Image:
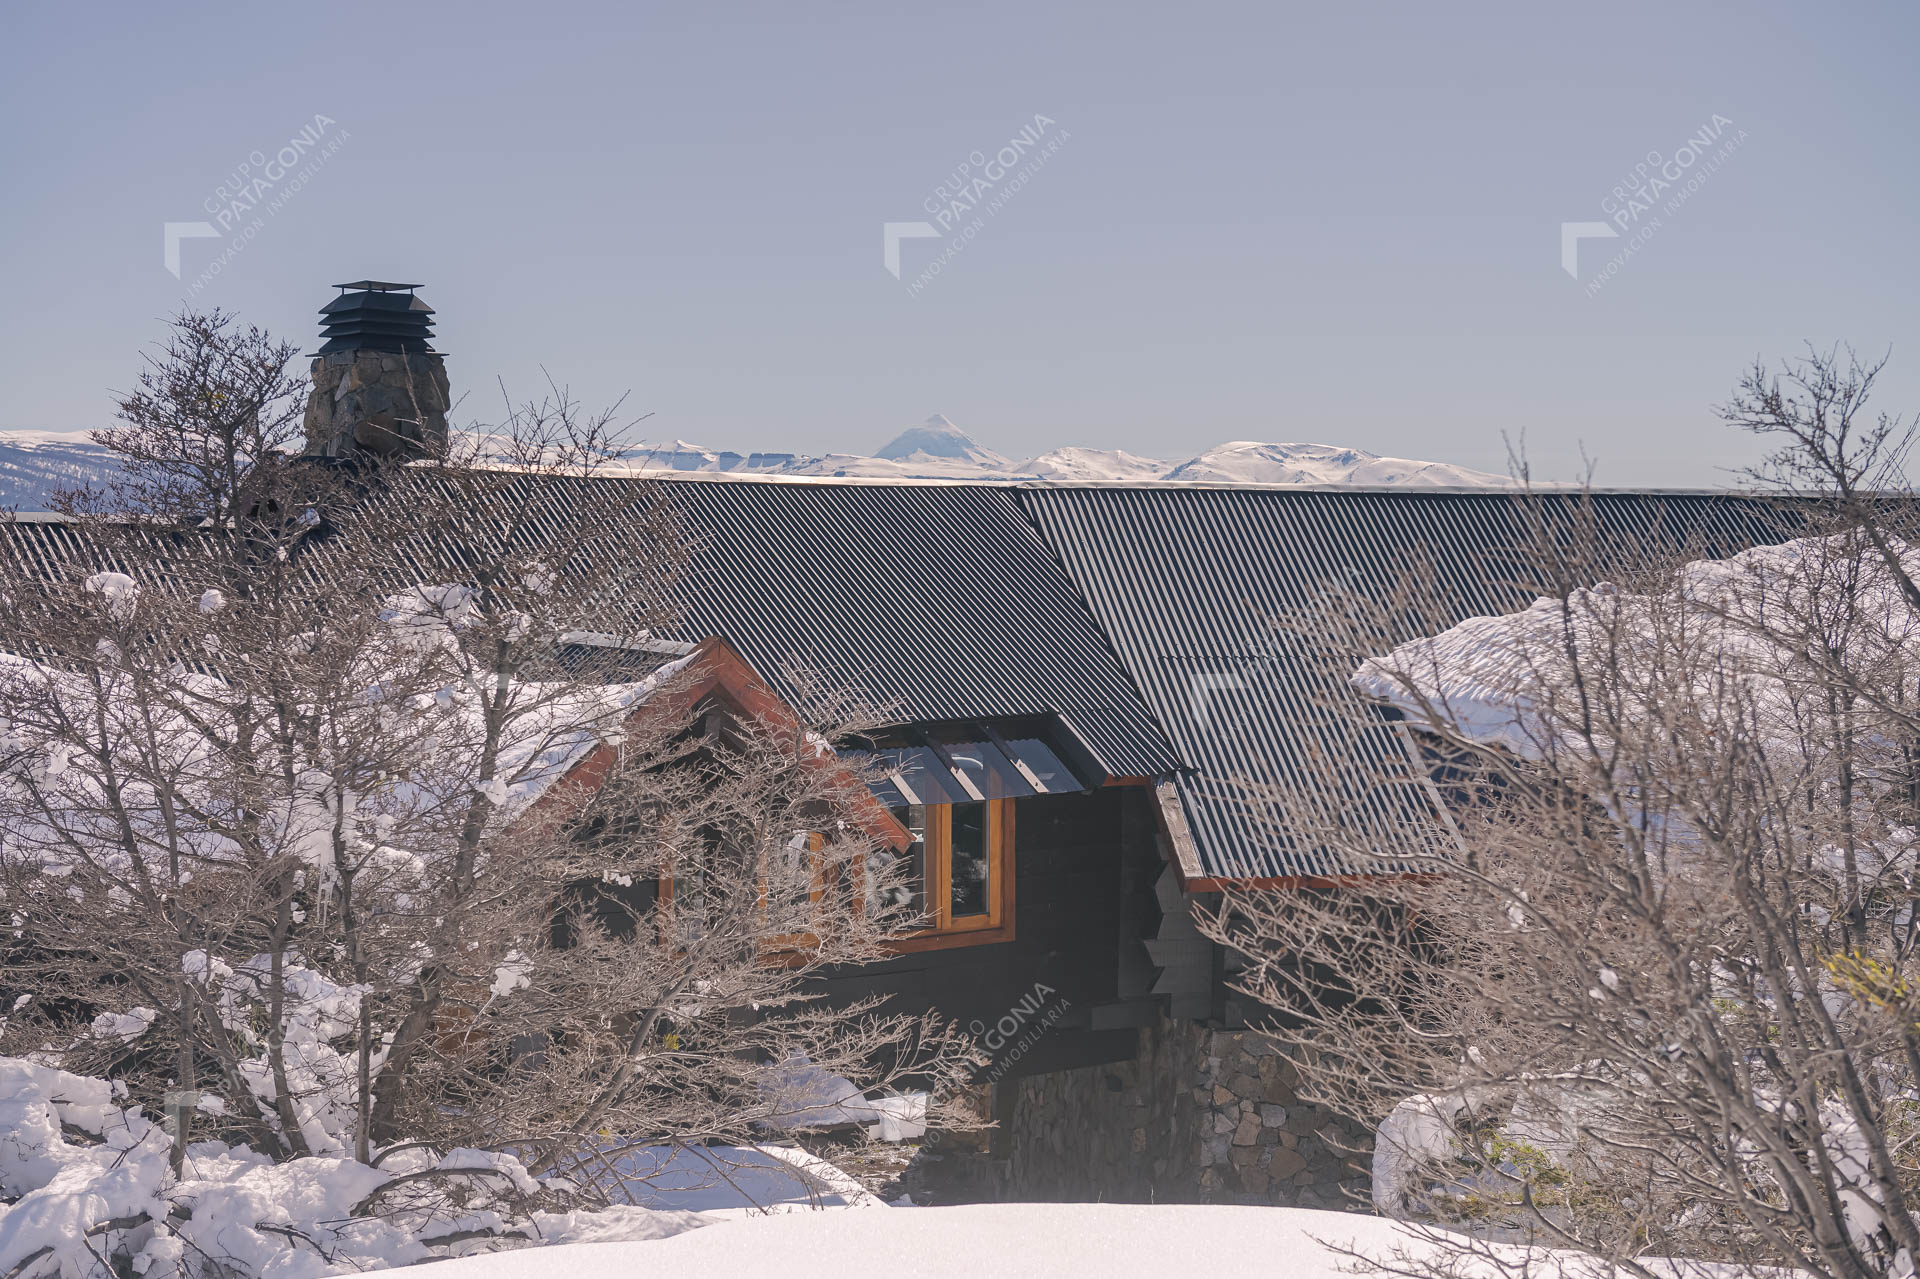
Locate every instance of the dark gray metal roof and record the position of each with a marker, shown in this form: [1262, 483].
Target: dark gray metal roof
[940, 603]
[1142, 617]
[51, 546]
[939, 600]
[1188, 585]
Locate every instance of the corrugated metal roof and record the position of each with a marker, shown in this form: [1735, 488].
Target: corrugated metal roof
[1188, 585]
[939, 600]
[50, 546]
[1141, 616]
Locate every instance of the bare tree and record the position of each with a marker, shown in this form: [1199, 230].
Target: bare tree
[1634, 972]
[212, 410]
[369, 807]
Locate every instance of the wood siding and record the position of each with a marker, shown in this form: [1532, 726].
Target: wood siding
[1078, 865]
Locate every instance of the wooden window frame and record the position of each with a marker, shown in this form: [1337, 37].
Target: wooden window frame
[946, 933]
[816, 893]
[970, 930]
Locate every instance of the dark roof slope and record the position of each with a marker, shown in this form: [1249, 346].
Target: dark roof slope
[938, 599]
[940, 602]
[1141, 616]
[1188, 584]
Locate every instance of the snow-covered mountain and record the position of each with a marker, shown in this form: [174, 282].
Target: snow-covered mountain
[939, 450]
[33, 464]
[36, 464]
[937, 439]
[1249, 462]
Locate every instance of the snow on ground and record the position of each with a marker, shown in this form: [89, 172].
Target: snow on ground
[736, 1181]
[89, 1178]
[986, 1241]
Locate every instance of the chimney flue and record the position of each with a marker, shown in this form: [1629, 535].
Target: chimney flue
[378, 386]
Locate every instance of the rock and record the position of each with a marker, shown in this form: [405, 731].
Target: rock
[1222, 1096]
[1248, 1132]
[1277, 1090]
[1272, 1116]
[1286, 1163]
[1224, 1123]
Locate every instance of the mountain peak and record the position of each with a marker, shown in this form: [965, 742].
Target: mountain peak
[938, 437]
[1252, 462]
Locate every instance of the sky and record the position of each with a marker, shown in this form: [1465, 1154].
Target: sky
[1153, 227]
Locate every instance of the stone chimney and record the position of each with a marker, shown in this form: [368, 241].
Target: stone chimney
[378, 388]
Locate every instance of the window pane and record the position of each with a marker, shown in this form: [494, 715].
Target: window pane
[972, 894]
[905, 887]
[992, 774]
[1052, 775]
[918, 774]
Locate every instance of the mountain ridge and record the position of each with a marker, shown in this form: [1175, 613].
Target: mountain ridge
[36, 464]
[938, 450]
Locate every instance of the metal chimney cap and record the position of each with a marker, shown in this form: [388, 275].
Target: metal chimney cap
[377, 286]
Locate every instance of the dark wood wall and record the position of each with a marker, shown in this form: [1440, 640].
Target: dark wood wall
[1072, 855]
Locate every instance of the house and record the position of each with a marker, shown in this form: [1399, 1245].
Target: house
[1087, 687]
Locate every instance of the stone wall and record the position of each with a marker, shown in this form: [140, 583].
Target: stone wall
[1199, 1116]
[380, 402]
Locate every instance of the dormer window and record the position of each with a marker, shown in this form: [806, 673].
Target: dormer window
[954, 788]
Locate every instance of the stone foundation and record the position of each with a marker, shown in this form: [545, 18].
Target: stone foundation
[1199, 1116]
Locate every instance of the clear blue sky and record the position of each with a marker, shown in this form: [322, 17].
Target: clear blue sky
[1327, 222]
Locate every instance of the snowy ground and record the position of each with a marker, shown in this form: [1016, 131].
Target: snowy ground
[737, 1181]
[1112, 1241]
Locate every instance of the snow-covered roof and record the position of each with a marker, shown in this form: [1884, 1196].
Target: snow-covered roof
[541, 748]
[1739, 619]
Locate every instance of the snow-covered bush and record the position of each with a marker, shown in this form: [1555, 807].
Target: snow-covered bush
[90, 1192]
